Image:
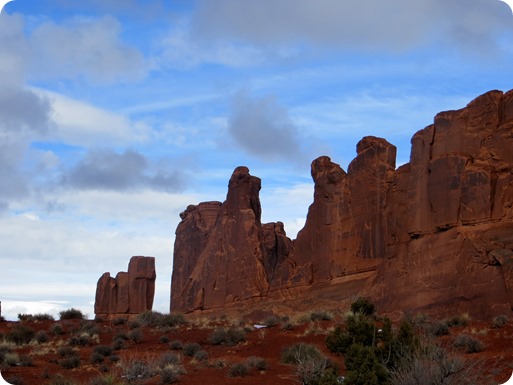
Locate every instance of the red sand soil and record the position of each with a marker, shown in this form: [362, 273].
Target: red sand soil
[266, 343]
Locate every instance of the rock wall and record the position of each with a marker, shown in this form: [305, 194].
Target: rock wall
[435, 233]
[129, 293]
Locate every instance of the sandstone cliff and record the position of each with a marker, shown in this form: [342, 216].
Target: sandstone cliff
[129, 293]
[437, 231]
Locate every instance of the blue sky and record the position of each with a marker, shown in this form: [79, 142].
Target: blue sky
[117, 114]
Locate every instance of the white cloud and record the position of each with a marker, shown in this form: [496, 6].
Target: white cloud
[368, 25]
[81, 47]
[82, 124]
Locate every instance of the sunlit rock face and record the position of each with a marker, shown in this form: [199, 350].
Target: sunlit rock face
[130, 293]
[434, 235]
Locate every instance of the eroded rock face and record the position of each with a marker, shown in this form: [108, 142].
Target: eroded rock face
[223, 254]
[130, 292]
[434, 234]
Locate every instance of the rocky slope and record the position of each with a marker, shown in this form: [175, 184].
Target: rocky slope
[433, 233]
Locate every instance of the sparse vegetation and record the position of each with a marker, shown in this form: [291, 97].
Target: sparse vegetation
[227, 336]
[470, 344]
[71, 314]
[238, 370]
[20, 334]
[500, 321]
[190, 349]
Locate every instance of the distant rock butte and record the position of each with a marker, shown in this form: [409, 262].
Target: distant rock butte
[434, 235]
[129, 293]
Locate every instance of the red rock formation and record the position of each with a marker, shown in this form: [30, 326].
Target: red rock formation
[222, 252]
[130, 292]
[435, 233]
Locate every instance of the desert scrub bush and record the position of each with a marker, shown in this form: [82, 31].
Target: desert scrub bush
[41, 337]
[311, 365]
[79, 340]
[89, 327]
[297, 353]
[471, 344]
[36, 317]
[96, 358]
[104, 350]
[190, 349]
[363, 367]
[227, 336]
[59, 379]
[320, 315]
[164, 339]
[359, 329]
[66, 351]
[168, 359]
[70, 362]
[136, 370]
[201, 356]
[135, 335]
[459, 320]
[20, 335]
[500, 321]
[14, 380]
[238, 370]
[432, 364]
[170, 374]
[286, 325]
[176, 345]
[57, 330]
[271, 321]
[11, 359]
[438, 329]
[71, 314]
[363, 306]
[108, 379]
[118, 343]
[119, 321]
[257, 363]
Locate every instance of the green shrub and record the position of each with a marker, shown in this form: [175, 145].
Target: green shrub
[171, 374]
[71, 314]
[458, 321]
[359, 329]
[363, 367]
[11, 359]
[363, 306]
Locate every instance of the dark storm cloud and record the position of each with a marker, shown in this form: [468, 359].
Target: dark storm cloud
[262, 127]
[130, 170]
[361, 24]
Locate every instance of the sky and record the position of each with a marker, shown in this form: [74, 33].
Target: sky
[115, 115]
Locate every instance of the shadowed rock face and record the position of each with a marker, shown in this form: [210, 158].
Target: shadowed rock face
[433, 235]
[130, 292]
